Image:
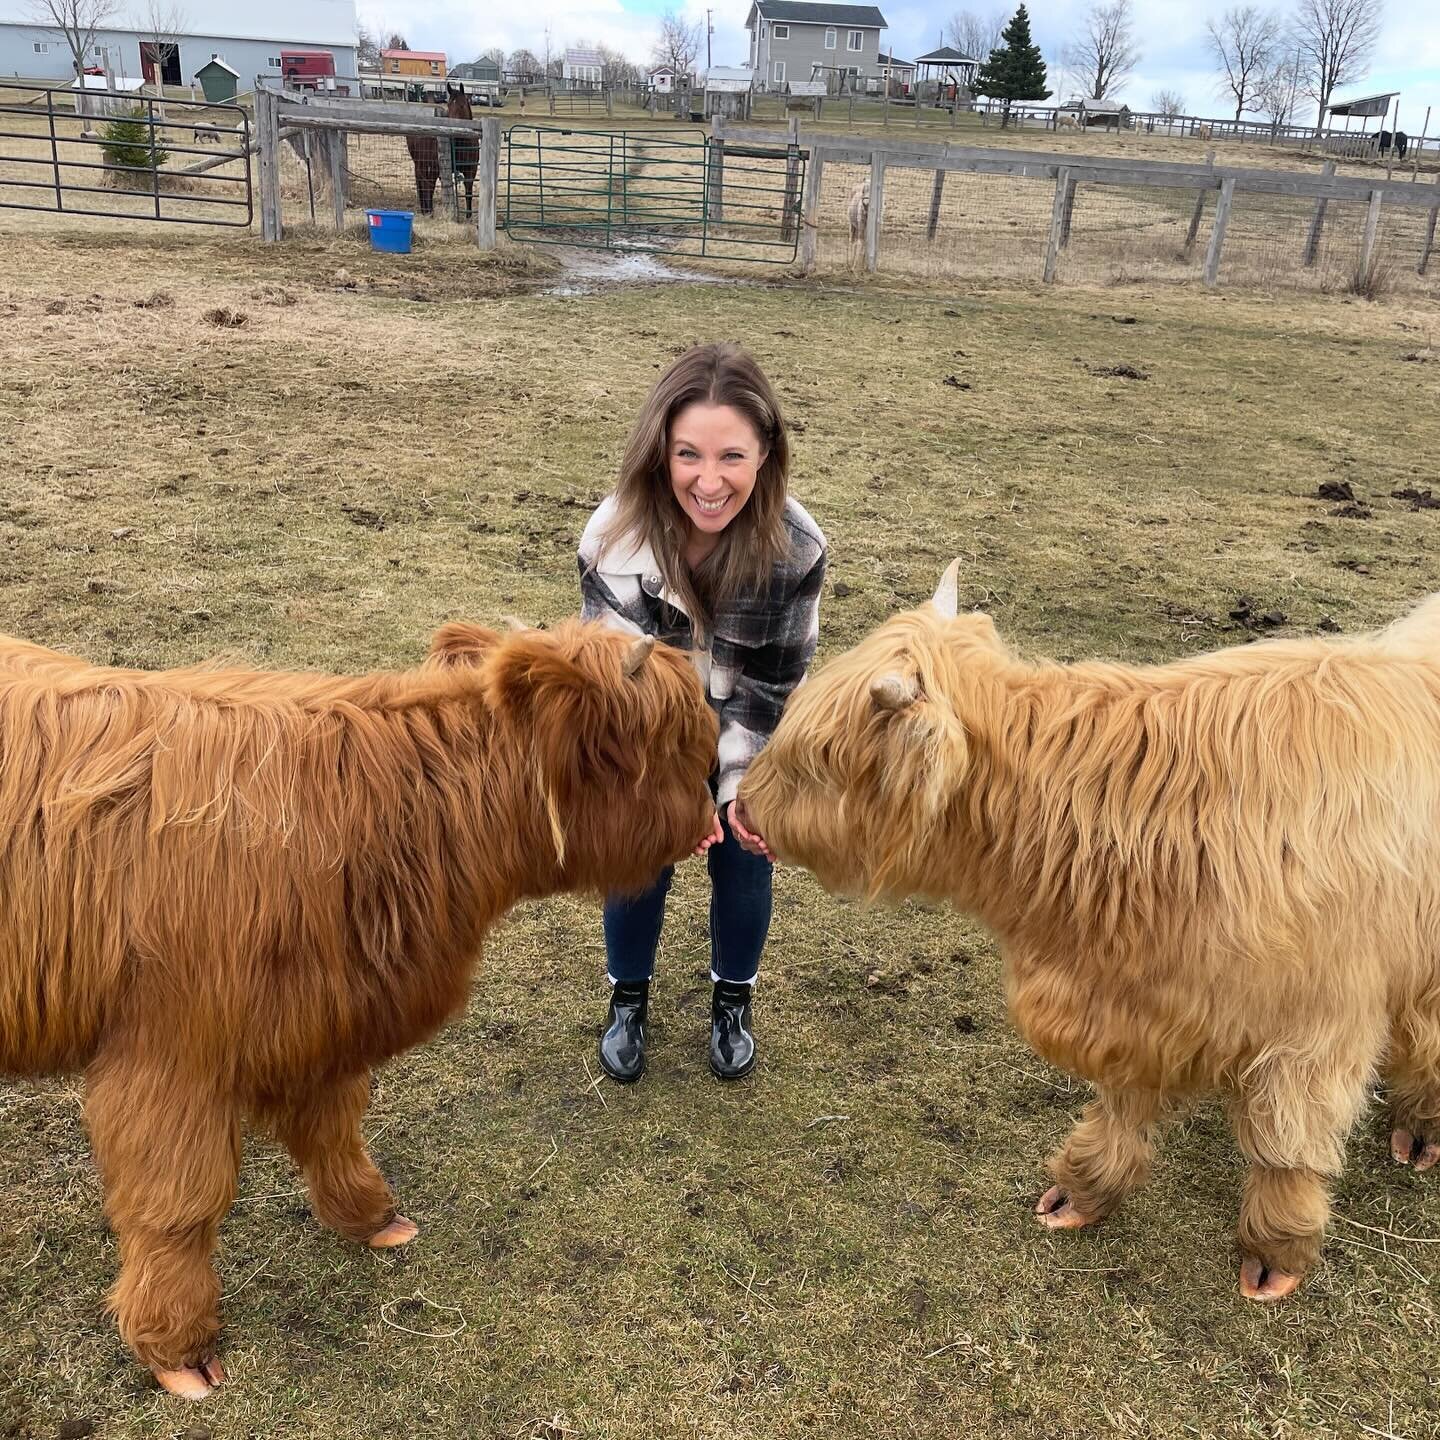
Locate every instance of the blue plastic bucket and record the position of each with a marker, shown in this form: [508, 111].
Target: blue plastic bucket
[390, 230]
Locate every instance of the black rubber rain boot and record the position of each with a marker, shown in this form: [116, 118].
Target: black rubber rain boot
[622, 1046]
[732, 1046]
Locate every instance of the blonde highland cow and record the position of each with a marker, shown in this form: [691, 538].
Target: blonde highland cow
[1221, 874]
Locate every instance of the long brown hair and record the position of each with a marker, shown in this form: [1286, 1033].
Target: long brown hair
[645, 505]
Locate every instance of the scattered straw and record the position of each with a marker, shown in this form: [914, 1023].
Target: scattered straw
[424, 1299]
[554, 1151]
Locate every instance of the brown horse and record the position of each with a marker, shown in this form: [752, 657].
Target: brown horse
[465, 156]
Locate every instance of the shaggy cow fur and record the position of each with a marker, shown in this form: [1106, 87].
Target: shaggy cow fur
[1221, 874]
[230, 893]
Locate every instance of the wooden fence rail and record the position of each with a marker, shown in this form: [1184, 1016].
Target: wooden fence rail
[881, 153]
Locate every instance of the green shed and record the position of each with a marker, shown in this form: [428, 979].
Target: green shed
[218, 81]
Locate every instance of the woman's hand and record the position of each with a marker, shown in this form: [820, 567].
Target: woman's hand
[715, 836]
[740, 828]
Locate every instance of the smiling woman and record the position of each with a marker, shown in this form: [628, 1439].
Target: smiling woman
[700, 546]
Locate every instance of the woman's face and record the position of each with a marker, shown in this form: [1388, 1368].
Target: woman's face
[715, 456]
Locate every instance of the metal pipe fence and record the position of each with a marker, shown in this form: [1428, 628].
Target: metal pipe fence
[53, 158]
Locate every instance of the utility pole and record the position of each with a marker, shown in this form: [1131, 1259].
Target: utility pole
[709, 31]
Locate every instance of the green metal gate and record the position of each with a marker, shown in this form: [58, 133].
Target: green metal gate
[643, 190]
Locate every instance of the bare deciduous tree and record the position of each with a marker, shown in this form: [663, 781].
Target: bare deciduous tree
[616, 68]
[164, 25]
[496, 56]
[1105, 54]
[1243, 41]
[1277, 94]
[77, 20]
[367, 48]
[678, 44]
[526, 66]
[1168, 103]
[397, 41]
[974, 35]
[1335, 40]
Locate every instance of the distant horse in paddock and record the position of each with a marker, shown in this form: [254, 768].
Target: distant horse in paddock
[465, 152]
[465, 156]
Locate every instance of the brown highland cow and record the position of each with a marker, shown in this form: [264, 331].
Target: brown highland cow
[230, 893]
[1221, 874]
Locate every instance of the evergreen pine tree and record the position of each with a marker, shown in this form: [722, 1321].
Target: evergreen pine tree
[129, 141]
[1014, 70]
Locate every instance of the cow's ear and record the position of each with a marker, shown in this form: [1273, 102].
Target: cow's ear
[459, 642]
[538, 694]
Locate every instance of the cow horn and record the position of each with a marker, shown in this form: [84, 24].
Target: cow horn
[893, 692]
[638, 654]
[947, 594]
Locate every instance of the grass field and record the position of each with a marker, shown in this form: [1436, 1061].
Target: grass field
[352, 448]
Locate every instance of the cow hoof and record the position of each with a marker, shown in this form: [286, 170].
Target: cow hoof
[399, 1231]
[1259, 1282]
[193, 1382]
[1055, 1212]
[1411, 1149]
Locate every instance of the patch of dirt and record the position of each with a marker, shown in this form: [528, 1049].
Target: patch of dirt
[956, 383]
[1358, 511]
[1334, 490]
[225, 318]
[156, 300]
[1251, 618]
[1120, 372]
[359, 515]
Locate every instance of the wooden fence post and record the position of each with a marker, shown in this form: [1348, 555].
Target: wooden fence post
[936, 191]
[792, 179]
[1057, 222]
[1372, 230]
[445, 158]
[1217, 230]
[267, 132]
[1069, 213]
[810, 210]
[1430, 232]
[1317, 221]
[338, 146]
[1198, 213]
[877, 204]
[487, 184]
[717, 171]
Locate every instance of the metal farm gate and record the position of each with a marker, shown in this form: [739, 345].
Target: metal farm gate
[638, 190]
[99, 152]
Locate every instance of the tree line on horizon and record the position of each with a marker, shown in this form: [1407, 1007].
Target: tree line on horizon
[1267, 61]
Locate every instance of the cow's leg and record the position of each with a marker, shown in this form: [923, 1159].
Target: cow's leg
[168, 1148]
[322, 1131]
[1106, 1156]
[1414, 1067]
[1291, 1122]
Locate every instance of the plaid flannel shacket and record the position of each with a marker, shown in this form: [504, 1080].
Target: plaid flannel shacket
[761, 643]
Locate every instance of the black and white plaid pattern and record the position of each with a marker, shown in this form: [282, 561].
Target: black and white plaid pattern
[761, 643]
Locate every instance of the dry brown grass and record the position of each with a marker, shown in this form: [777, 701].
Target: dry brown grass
[840, 1245]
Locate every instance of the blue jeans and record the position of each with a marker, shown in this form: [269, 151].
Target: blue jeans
[739, 917]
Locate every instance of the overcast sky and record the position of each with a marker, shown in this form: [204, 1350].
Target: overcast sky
[1171, 35]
